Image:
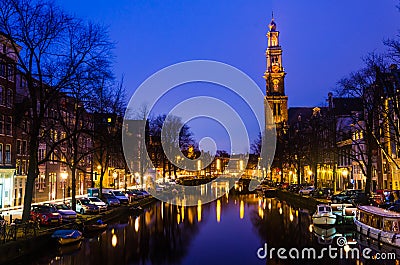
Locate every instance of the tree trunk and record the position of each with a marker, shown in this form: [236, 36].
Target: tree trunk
[33, 171]
[174, 171]
[73, 179]
[101, 182]
[299, 180]
[315, 172]
[164, 169]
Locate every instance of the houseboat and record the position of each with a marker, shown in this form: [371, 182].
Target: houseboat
[379, 224]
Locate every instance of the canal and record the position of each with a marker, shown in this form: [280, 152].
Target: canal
[229, 230]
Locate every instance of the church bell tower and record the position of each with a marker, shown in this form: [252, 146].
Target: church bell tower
[275, 77]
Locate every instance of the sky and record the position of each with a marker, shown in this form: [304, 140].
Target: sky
[322, 41]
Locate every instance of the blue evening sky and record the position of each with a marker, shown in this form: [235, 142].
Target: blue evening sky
[322, 41]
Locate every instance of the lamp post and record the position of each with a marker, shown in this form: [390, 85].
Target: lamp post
[64, 176]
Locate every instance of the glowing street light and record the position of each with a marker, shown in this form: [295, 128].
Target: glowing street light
[115, 175]
[64, 176]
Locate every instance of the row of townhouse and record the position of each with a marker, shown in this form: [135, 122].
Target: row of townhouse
[54, 176]
[328, 145]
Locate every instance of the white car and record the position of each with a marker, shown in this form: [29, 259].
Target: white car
[99, 203]
[84, 206]
[306, 191]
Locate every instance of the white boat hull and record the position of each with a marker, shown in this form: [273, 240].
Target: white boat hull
[323, 219]
[389, 238]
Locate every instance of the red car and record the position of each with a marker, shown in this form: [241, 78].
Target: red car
[46, 215]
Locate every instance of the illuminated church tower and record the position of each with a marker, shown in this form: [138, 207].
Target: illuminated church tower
[275, 77]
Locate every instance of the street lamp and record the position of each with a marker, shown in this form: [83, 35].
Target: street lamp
[345, 173]
[115, 175]
[64, 176]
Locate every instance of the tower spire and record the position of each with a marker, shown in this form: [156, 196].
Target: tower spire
[275, 76]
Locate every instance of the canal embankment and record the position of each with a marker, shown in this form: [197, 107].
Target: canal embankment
[306, 202]
[25, 245]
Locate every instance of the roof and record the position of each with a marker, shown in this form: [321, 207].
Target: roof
[379, 211]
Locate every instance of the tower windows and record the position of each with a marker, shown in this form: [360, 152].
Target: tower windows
[277, 109]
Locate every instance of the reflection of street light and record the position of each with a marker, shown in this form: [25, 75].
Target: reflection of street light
[64, 176]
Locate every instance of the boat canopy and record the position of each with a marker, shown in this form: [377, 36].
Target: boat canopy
[379, 211]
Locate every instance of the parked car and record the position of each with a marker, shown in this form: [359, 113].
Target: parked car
[306, 190]
[345, 196]
[120, 196]
[145, 193]
[295, 188]
[395, 207]
[131, 195]
[99, 203]
[67, 214]
[322, 193]
[359, 199]
[84, 206]
[45, 214]
[110, 199]
[139, 194]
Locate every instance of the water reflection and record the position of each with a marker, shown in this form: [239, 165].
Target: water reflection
[171, 234]
[218, 211]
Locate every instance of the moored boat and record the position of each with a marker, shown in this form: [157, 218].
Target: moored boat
[270, 192]
[379, 224]
[344, 212]
[95, 227]
[324, 215]
[65, 237]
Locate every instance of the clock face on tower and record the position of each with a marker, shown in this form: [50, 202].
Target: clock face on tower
[275, 68]
[276, 84]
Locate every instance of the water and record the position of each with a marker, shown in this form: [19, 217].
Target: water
[227, 231]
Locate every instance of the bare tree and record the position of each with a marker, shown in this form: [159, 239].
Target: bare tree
[55, 48]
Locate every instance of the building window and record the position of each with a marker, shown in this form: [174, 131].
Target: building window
[10, 73]
[8, 154]
[19, 166]
[8, 125]
[277, 109]
[24, 167]
[24, 148]
[19, 147]
[1, 124]
[42, 153]
[9, 98]
[1, 153]
[1, 95]
[2, 69]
